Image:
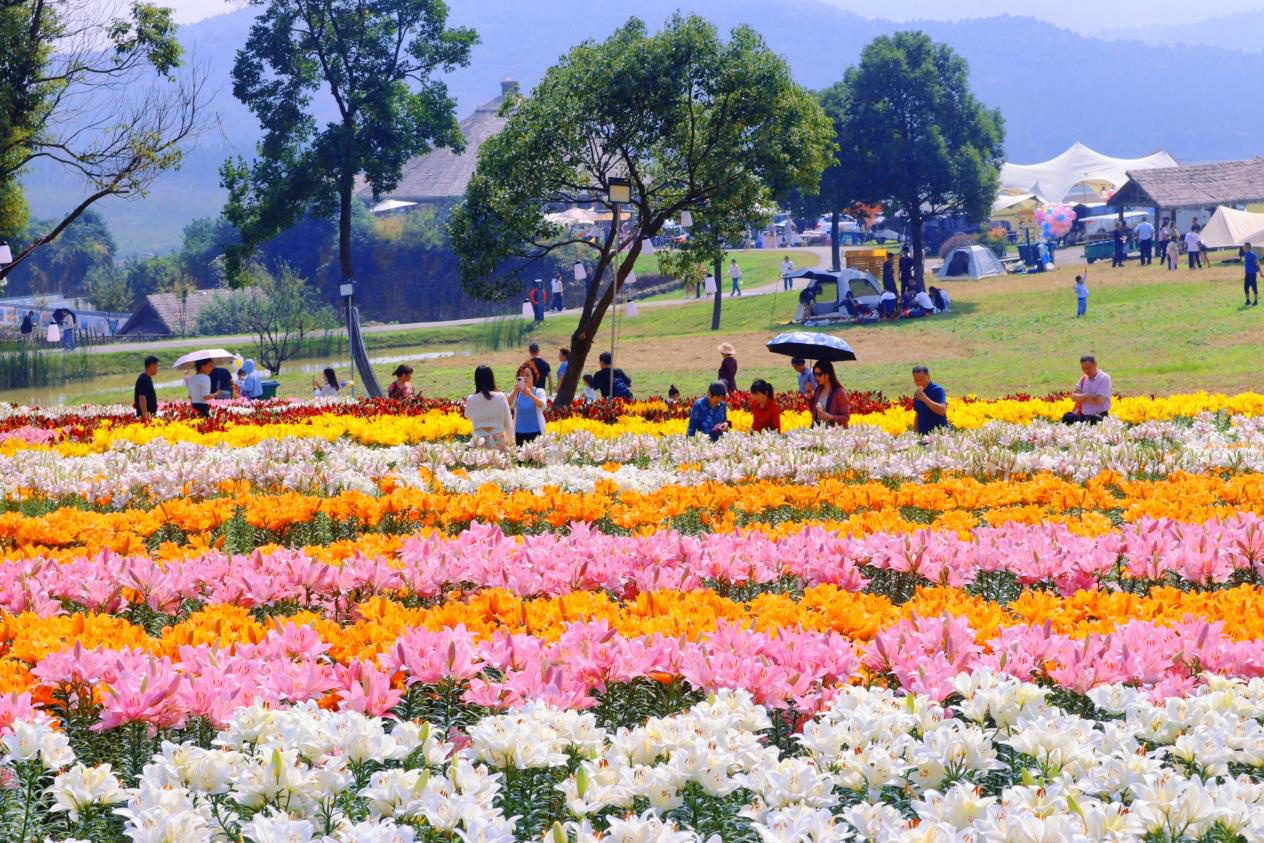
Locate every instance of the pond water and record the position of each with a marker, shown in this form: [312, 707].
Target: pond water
[118, 388]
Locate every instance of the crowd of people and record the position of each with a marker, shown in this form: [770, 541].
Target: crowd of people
[209, 379]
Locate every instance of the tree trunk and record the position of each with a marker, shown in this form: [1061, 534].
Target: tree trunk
[344, 226]
[915, 224]
[836, 258]
[586, 331]
[719, 295]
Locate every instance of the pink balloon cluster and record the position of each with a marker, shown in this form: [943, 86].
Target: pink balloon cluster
[1055, 221]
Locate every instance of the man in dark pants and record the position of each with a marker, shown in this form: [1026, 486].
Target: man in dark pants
[1250, 284]
[1117, 237]
[1145, 240]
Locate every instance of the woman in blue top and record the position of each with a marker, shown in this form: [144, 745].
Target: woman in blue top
[709, 415]
[527, 402]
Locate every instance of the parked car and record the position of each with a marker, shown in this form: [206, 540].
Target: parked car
[823, 297]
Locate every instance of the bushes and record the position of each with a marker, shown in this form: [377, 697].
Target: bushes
[953, 242]
[27, 367]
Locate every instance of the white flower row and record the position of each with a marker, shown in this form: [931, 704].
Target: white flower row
[162, 470]
[1004, 764]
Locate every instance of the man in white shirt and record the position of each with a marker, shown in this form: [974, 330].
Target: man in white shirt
[1092, 396]
[924, 301]
[1194, 246]
[787, 267]
[735, 273]
[557, 291]
[1145, 240]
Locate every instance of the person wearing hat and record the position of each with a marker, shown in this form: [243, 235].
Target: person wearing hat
[728, 366]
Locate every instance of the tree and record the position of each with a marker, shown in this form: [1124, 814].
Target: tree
[63, 264]
[376, 60]
[93, 93]
[280, 309]
[909, 126]
[690, 120]
[108, 289]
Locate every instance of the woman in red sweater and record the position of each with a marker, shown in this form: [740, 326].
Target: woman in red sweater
[764, 407]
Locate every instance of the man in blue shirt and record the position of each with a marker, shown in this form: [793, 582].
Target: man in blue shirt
[709, 415]
[930, 403]
[807, 380]
[1252, 263]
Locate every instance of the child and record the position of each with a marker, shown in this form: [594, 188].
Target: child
[1173, 250]
[1081, 294]
[590, 393]
[673, 395]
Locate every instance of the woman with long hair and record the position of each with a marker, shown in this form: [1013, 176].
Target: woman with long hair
[329, 386]
[402, 386]
[831, 406]
[488, 411]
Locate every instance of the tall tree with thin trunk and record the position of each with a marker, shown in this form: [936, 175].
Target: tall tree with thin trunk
[909, 125]
[377, 60]
[95, 92]
[691, 120]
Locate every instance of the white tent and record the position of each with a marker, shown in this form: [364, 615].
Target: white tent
[1229, 227]
[1006, 201]
[388, 205]
[1076, 173]
[973, 261]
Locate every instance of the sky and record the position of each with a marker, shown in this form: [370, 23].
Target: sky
[1089, 17]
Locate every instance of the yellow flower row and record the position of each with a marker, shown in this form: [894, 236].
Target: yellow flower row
[439, 425]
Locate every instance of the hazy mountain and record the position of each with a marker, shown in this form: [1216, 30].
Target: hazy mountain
[1053, 86]
[1243, 31]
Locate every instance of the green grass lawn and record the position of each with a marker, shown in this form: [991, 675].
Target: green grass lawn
[758, 267]
[1155, 331]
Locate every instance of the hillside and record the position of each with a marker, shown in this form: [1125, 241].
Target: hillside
[1103, 98]
[1243, 31]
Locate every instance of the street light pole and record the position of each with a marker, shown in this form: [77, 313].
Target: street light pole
[618, 191]
[347, 289]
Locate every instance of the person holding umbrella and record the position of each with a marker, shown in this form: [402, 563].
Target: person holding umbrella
[831, 406]
[199, 386]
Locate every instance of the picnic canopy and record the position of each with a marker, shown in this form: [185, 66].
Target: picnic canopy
[1231, 227]
[1066, 176]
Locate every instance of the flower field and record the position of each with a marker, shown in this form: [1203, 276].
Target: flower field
[337, 621]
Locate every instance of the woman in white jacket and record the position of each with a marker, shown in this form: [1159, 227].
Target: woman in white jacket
[488, 411]
[527, 402]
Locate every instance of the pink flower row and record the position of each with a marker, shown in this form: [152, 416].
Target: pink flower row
[793, 668]
[585, 559]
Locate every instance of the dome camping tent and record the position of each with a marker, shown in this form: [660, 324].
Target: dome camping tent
[1077, 174]
[1229, 227]
[973, 261]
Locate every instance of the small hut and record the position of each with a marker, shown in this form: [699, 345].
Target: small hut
[1200, 187]
[170, 314]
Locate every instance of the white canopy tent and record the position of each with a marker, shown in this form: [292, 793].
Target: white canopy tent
[1077, 173]
[1230, 227]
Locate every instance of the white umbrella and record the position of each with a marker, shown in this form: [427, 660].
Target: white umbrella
[219, 355]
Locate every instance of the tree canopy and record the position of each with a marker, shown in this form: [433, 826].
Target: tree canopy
[691, 120]
[57, 55]
[377, 61]
[909, 125]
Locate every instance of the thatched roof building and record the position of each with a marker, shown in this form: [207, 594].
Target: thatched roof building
[443, 174]
[170, 314]
[1194, 186]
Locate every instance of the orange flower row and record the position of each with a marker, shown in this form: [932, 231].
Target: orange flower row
[955, 503]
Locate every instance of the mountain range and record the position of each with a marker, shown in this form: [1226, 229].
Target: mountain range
[1243, 31]
[1124, 98]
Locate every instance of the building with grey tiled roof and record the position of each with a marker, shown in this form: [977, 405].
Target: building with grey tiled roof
[442, 175]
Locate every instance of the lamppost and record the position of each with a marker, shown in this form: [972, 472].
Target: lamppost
[618, 192]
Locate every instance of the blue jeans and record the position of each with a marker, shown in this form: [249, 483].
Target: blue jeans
[737, 287]
[68, 339]
[1081, 306]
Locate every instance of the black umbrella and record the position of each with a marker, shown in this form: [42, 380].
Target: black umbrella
[811, 346]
